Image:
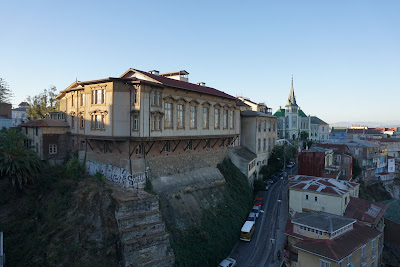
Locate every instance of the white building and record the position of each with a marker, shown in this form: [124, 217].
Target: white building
[19, 114]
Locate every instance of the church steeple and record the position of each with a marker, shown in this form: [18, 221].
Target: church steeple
[292, 98]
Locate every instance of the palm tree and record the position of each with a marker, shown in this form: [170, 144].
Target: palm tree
[17, 161]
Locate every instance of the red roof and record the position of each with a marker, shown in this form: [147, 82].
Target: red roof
[45, 123]
[364, 210]
[186, 85]
[338, 247]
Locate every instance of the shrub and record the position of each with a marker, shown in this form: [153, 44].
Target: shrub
[75, 169]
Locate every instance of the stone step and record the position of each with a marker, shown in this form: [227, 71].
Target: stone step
[137, 244]
[137, 207]
[158, 254]
[129, 221]
[142, 231]
[166, 261]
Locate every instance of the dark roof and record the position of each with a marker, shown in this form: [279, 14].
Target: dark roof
[244, 153]
[340, 246]
[23, 104]
[338, 148]
[317, 120]
[20, 109]
[322, 221]
[334, 130]
[45, 123]
[252, 113]
[355, 131]
[393, 210]
[186, 85]
[364, 210]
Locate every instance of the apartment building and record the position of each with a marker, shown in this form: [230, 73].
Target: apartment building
[125, 122]
[342, 159]
[322, 239]
[48, 138]
[317, 161]
[314, 194]
[258, 135]
[260, 107]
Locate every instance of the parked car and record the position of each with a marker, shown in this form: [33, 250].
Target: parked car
[256, 210]
[259, 201]
[252, 217]
[228, 262]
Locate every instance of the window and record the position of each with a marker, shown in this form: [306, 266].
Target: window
[37, 131]
[52, 149]
[193, 114]
[225, 119]
[373, 252]
[72, 122]
[82, 122]
[156, 98]
[167, 147]
[259, 126]
[168, 115]
[265, 126]
[232, 119]
[216, 119]
[363, 262]
[349, 260]
[205, 118]
[372, 264]
[269, 144]
[269, 128]
[274, 126]
[136, 96]
[345, 200]
[139, 150]
[265, 144]
[135, 122]
[72, 100]
[316, 198]
[97, 122]
[190, 145]
[82, 99]
[98, 96]
[156, 123]
[307, 197]
[181, 121]
[259, 145]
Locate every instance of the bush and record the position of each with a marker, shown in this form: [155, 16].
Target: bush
[206, 244]
[75, 169]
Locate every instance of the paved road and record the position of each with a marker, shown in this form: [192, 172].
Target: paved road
[270, 225]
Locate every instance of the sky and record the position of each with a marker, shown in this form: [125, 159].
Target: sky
[344, 55]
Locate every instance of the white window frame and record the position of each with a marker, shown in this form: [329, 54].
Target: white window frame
[52, 149]
[193, 117]
[324, 263]
[168, 115]
[181, 116]
[135, 122]
[217, 116]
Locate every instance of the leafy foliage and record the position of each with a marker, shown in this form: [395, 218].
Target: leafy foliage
[17, 162]
[5, 92]
[75, 169]
[40, 105]
[208, 243]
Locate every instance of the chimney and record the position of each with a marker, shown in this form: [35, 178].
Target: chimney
[155, 72]
[201, 83]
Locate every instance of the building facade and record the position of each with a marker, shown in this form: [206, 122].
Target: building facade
[321, 239]
[314, 194]
[258, 135]
[19, 114]
[125, 122]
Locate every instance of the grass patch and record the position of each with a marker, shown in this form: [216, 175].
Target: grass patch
[206, 244]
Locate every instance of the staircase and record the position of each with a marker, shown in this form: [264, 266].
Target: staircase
[144, 241]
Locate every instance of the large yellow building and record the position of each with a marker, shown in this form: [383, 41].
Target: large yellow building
[119, 124]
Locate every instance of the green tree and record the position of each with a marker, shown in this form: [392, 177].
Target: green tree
[42, 104]
[17, 161]
[5, 92]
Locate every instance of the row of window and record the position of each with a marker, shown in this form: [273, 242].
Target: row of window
[271, 126]
[97, 122]
[265, 144]
[98, 97]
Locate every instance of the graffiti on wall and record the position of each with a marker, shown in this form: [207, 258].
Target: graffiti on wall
[116, 174]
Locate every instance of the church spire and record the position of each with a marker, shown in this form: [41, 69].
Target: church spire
[292, 98]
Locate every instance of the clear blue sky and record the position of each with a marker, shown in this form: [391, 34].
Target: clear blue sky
[344, 55]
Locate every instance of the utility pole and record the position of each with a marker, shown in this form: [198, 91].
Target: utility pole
[2, 257]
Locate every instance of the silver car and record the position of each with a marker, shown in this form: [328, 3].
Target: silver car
[228, 262]
[256, 210]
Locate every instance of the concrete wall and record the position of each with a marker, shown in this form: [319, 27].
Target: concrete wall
[326, 203]
[161, 166]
